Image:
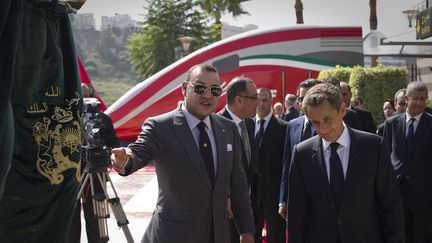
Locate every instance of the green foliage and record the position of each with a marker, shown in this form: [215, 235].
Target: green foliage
[341, 73]
[216, 8]
[372, 85]
[112, 89]
[104, 54]
[153, 47]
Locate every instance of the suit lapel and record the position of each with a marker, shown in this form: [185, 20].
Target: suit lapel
[270, 127]
[354, 165]
[421, 128]
[187, 141]
[298, 131]
[319, 163]
[402, 132]
[221, 143]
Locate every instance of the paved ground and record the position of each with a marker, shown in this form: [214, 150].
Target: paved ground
[138, 194]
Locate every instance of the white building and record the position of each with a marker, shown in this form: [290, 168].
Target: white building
[83, 21]
[121, 21]
[230, 30]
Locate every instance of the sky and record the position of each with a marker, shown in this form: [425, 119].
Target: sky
[277, 13]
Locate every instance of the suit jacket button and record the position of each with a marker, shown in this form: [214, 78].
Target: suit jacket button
[339, 222]
[333, 206]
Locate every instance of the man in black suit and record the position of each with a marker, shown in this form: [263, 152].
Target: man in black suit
[269, 137]
[409, 136]
[365, 117]
[350, 118]
[291, 111]
[241, 106]
[342, 187]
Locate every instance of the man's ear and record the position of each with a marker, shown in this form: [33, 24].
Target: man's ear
[184, 87]
[343, 109]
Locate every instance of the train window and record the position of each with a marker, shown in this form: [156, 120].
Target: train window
[227, 64]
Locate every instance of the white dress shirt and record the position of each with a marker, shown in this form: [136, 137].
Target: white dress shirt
[192, 121]
[257, 122]
[344, 141]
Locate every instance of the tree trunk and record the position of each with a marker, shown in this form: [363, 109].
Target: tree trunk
[373, 23]
[299, 11]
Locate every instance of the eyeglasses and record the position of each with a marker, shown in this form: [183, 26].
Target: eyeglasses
[422, 99]
[201, 89]
[248, 97]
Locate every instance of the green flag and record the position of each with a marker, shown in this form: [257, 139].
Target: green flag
[43, 181]
[10, 16]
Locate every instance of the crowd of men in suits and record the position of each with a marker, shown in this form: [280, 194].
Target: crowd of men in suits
[317, 171]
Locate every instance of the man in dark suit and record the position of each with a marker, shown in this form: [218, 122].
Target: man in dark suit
[364, 116]
[290, 106]
[342, 187]
[409, 136]
[269, 137]
[297, 130]
[198, 164]
[351, 117]
[240, 107]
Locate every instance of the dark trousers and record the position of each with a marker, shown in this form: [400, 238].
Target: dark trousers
[275, 224]
[418, 225]
[91, 222]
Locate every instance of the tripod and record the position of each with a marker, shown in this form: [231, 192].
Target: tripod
[102, 200]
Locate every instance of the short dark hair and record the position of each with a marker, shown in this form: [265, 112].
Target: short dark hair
[345, 83]
[309, 83]
[266, 90]
[391, 103]
[237, 86]
[202, 66]
[320, 93]
[332, 80]
[416, 86]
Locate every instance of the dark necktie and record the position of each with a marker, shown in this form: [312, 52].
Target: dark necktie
[410, 135]
[246, 141]
[336, 174]
[307, 131]
[206, 151]
[260, 134]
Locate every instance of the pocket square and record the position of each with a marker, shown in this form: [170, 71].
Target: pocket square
[229, 147]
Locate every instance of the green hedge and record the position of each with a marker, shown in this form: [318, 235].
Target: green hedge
[372, 85]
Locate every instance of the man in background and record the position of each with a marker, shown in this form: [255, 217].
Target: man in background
[278, 110]
[365, 117]
[409, 137]
[269, 138]
[240, 107]
[298, 129]
[290, 110]
[400, 102]
[109, 139]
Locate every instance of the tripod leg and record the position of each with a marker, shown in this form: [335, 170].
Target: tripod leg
[117, 208]
[100, 208]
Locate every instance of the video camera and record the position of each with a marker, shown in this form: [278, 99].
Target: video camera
[95, 151]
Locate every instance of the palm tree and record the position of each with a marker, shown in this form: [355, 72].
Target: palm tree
[299, 11]
[215, 9]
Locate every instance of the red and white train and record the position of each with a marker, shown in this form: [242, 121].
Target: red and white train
[278, 59]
